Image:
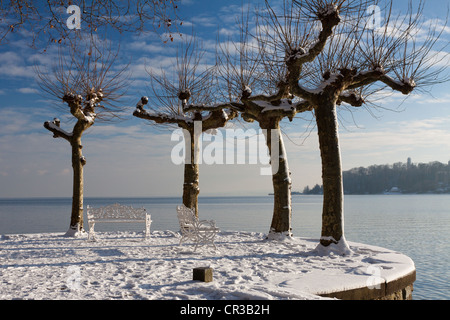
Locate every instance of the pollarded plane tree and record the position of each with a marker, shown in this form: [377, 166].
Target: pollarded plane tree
[343, 59]
[89, 87]
[245, 67]
[193, 83]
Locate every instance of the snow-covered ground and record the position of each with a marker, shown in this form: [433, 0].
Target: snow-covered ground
[121, 265]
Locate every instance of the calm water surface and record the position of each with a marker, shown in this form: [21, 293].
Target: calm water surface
[416, 225]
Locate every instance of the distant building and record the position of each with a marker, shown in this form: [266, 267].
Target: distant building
[393, 190]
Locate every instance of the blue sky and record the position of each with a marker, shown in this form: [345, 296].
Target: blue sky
[131, 158]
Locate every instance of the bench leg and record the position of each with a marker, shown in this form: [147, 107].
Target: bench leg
[148, 223]
[206, 238]
[196, 245]
[183, 238]
[91, 235]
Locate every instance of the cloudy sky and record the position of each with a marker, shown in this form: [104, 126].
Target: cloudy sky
[132, 158]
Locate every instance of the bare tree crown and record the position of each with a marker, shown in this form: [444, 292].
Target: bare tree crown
[191, 82]
[87, 81]
[346, 55]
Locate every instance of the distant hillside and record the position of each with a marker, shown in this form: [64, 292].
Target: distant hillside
[433, 177]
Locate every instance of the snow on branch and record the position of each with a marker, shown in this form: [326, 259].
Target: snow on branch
[162, 117]
[283, 92]
[405, 86]
[75, 103]
[285, 107]
[54, 126]
[329, 18]
[218, 115]
[330, 9]
[159, 117]
[214, 107]
[351, 97]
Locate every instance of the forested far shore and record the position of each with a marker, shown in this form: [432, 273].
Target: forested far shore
[407, 178]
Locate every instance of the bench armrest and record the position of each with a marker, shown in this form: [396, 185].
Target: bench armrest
[207, 223]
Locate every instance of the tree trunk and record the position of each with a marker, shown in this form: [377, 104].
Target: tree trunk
[78, 162]
[282, 213]
[333, 195]
[191, 188]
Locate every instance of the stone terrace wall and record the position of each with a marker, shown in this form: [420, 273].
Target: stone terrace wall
[397, 289]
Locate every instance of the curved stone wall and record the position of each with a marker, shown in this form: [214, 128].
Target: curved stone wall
[396, 289]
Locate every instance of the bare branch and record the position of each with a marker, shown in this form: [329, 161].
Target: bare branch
[53, 126]
[162, 117]
[352, 98]
[215, 107]
[46, 20]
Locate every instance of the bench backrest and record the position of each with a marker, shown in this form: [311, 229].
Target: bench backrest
[186, 216]
[116, 211]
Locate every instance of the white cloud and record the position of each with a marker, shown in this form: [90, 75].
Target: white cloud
[439, 58]
[11, 64]
[28, 90]
[152, 47]
[188, 2]
[204, 21]
[427, 139]
[228, 32]
[10, 57]
[17, 120]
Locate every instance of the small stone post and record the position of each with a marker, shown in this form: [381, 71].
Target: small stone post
[204, 274]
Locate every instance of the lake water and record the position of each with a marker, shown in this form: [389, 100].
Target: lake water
[416, 225]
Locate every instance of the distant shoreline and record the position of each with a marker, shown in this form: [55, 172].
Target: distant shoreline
[210, 197]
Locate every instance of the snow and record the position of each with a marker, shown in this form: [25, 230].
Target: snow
[90, 117]
[340, 247]
[76, 231]
[351, 93]
[330, 9]
[122, 265]
[322, 86]
[409, 81]
[173, 117]
[279, 236]
[53, 126]
[285, 105]
[299, 53]
[225, 114]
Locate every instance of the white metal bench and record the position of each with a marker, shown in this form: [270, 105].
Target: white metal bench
[117, 213]
[199, 231]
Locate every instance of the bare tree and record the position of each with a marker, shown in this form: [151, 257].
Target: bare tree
[334, 56]
[47, 20]
[193, 83]
[89, 86]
